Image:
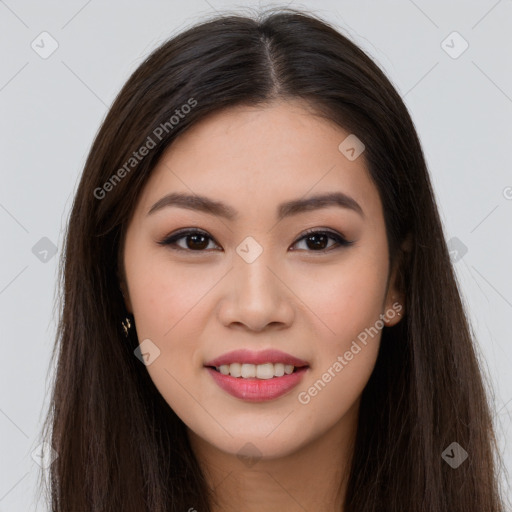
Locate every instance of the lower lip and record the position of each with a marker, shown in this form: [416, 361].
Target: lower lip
[258, 390]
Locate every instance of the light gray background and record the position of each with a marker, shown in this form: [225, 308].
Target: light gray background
[50, 110]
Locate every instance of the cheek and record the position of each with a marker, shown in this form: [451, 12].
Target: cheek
[163, 295]
[167, 303]
[345, 299]
[347, 352]
[347, 303]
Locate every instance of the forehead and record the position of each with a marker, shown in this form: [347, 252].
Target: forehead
[251, 156]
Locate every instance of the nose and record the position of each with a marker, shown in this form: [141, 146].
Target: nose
[256, 296]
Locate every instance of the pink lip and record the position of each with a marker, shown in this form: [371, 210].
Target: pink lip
[257, 390]
[262, 357]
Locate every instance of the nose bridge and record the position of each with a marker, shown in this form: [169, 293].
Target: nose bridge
[255, 282]
[257, 296]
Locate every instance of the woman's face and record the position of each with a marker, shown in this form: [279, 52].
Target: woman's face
[253, 280]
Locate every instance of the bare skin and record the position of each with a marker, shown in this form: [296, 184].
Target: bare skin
[309, 299]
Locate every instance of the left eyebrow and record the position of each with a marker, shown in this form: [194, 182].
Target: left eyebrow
[286, 209]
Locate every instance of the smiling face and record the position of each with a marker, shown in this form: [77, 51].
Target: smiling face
[261, 273]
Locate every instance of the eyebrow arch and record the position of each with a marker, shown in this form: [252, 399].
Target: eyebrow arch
[287, 209]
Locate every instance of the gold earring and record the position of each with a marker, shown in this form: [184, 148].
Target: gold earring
[127, 325]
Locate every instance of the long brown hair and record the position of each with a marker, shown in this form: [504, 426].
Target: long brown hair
[120, 446]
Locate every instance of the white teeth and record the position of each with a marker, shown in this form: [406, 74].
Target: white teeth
[260, 371]
[265, 371]
[248, 371]
[288, 368]
[279, 369]
[235, 369]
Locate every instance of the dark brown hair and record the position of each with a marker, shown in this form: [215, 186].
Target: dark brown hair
[120, 446]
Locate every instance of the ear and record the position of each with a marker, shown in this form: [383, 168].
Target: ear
[394, 305]
[126, 296]
[121, 276]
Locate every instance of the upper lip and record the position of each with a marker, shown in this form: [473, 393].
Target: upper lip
[261, 357]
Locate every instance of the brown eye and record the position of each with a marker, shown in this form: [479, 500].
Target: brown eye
[195, 241]
[198, 241]
[317, 241]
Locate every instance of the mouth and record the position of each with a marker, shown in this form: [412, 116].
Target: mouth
[264, 371]
[257, 376]
[254, 389]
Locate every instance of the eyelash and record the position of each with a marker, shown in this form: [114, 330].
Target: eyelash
[171, 240]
